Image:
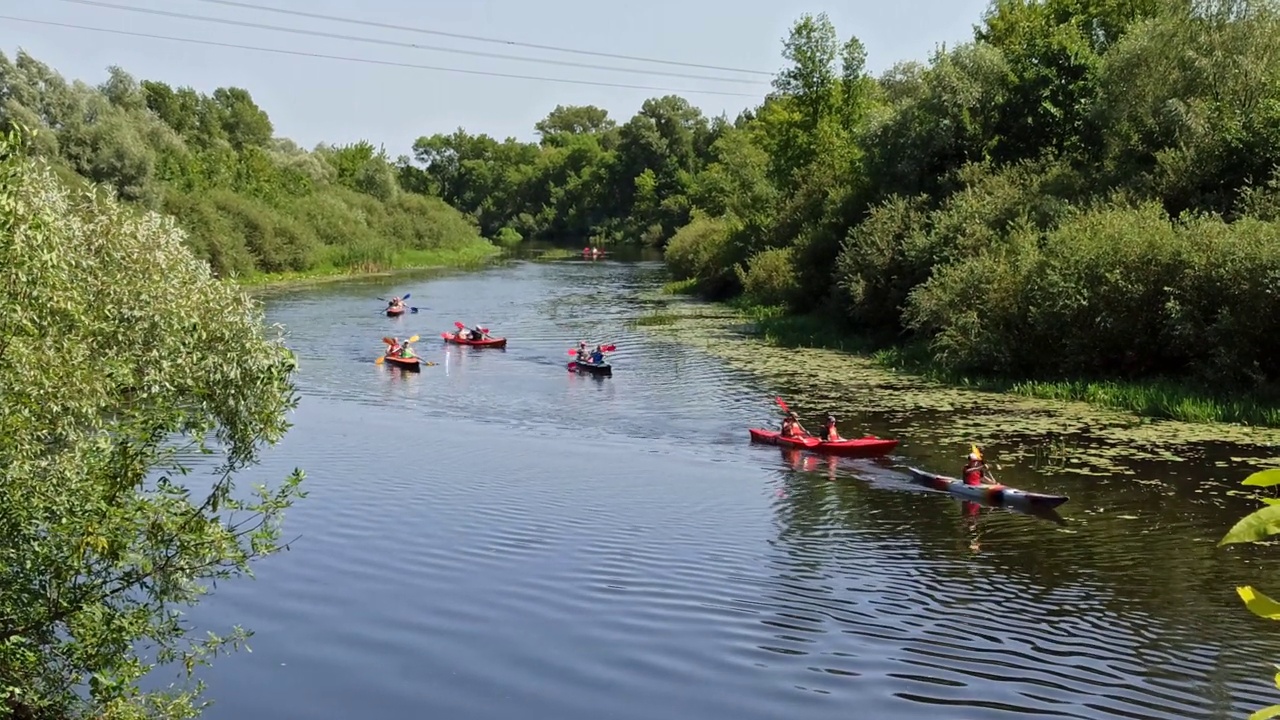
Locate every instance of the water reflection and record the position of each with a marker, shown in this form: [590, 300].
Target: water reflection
[617, 547]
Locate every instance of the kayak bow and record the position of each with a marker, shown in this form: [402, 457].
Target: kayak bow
[396, 311]
[869, 446]
[991, 494]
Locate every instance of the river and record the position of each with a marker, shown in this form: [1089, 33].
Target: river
[494, 537]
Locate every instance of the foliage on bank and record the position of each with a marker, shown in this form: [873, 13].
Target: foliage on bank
[120, 354]
[249, 202]
[1087, 189]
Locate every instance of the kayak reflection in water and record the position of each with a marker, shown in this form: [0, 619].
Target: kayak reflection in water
[829, 431]
[791, 426]
[975, 470]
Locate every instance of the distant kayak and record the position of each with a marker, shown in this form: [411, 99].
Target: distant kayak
[593, 368]
[396, 311]
[990, 494]
[488, 342]
[857, 447]
[408, 363]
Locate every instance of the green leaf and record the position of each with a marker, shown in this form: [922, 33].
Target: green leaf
[1263, 478]
[1254, 526]
[1260, 605]
[1266, 713]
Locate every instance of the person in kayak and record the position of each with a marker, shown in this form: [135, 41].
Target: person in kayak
[829, 431]
[393, 345]
[975, 470]
[597, 356]
[405, 350]
[583, 355]
[478, 333]
[791, 426]
[395, 303]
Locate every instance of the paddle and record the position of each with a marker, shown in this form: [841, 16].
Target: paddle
[406, 297]
[391, 341]
[603, 348]
[806, 440]
[460, 326]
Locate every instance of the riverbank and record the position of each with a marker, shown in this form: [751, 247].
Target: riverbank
[1156, 399]
[469, 256]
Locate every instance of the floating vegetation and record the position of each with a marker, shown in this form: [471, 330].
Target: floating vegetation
[1059, 432]
[656, 318]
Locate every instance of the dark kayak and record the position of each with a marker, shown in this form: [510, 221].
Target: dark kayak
[990, 494]
[594, 369]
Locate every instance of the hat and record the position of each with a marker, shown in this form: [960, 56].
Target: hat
[974, 456]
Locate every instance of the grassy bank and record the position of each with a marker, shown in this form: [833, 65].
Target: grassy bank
[1154, 398]
[465, 257]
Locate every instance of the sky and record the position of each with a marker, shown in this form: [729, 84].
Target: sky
[316, 99]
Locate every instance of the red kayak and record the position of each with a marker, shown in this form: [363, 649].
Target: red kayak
[396, 311]
[408, 363]
[489, 342]
[869, 446]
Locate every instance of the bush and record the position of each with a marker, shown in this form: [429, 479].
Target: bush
[1116, 292]
[103, 543]
[770, 277]
[705, 251]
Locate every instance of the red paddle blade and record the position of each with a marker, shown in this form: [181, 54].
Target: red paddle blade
[782, 405]
[458, 325]
[572, 351]
[609, 348]
[445, 335]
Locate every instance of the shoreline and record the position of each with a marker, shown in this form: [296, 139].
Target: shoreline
[471, 256]
[1154, 399]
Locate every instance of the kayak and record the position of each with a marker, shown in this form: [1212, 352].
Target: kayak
[490, 342]
[409, 363]
[992, 494]
[869, 446]
[396, 311]
[594, 369]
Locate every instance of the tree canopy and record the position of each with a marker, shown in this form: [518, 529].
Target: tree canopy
[1087, 188]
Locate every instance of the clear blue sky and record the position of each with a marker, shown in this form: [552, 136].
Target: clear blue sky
[313, 100]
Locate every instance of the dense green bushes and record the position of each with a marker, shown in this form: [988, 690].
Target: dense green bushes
[250, 203]
[1087, 189]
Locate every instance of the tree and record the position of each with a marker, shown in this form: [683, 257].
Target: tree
[574, 120]
[102, 541]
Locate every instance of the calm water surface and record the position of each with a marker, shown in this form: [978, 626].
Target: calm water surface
[495, 538]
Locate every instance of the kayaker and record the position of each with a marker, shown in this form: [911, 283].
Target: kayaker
[975, 470]
[597, 356]
[582, 351]
[393, 345]
[395, 303]
[829, 431]
[478, 333]
[791, 426]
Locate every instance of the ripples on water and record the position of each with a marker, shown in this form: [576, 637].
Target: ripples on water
[497, 538]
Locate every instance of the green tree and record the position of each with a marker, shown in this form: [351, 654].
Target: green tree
[104, 537]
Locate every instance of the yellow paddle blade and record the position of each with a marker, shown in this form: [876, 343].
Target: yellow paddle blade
[378, 360]
[974, 449]
[412, 339]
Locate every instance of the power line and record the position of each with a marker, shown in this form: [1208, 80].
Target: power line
[477, 38]
[395, 43]
[370, 61]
